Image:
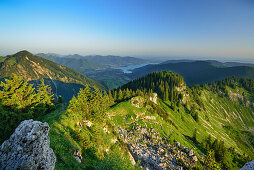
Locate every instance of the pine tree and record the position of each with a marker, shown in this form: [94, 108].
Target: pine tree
[97, 104]
[194, 137]
[17, 93]
[128, 94]
[115, 95]
[120, 95]
[43, 94]
[105, 100]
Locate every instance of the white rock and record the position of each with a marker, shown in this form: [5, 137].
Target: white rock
[248, 166]
[28, 148]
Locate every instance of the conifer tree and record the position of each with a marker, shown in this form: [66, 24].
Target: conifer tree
[43, 94]
[17, 93]
[194, 137]
[128, 94]
[111, 99]
[120, 95]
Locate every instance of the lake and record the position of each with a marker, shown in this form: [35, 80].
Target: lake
[128, 69]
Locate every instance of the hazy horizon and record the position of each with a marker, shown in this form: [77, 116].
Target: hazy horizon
[220, 29]
[156, 58]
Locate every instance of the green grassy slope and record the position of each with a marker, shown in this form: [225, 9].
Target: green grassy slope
[222, 119]
[223, 110]
[64, 132]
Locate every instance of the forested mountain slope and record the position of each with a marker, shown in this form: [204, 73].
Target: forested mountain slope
[197, 72]
[204, 126]
[63, 80]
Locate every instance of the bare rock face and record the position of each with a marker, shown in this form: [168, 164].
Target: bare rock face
[248, 166]
[154, 97]
[153, 152]
[137, 101]
[28, 148]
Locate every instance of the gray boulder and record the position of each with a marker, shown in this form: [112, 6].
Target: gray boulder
[28, 148]
[248, 166]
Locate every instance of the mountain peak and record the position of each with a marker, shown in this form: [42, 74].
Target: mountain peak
[23, 53]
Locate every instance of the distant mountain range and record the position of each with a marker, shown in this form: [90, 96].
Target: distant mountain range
[63, 80]
[101, 68]
[213, 62]
[94, 62]
[194, 71]
[199, 72]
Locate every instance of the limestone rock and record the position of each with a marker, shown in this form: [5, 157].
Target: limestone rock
[194, 159]
[153, 98]
[248, 166]
[77, 155]
[137, 101]
[88, 123]
[28, 148]
[177, 144]
[190, 153]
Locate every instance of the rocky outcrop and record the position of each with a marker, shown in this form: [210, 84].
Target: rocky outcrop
[77, 155]
[154, 152]
[248, 166]
[137, 101]
[154, 97]
[28, 148]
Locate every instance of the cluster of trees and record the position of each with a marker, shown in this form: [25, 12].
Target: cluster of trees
[90, 103]
[219, 87]
[233, 82]
[218, 147]
[19, 101]
[163, 83]
[125, 94]
[218, 153]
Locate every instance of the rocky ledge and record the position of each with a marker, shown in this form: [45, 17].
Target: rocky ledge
[154, 152]
[28, 148]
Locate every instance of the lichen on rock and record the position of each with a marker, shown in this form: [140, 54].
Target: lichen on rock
[248, 166]
[28, 148]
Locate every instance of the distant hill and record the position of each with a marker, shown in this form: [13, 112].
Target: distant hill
[197, 72]
[213, 62]
[83, 63]
[97, 67]
[76, 62]
[63, 80]
[177, 61]
[114, 61]
[229, 64]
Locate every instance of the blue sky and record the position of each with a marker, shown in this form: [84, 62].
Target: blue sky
[182, 28]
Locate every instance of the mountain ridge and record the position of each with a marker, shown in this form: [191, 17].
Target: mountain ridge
[33, 68]
[197, 72]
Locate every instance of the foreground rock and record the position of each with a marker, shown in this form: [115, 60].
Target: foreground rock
[28, 148]
[248, 166]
